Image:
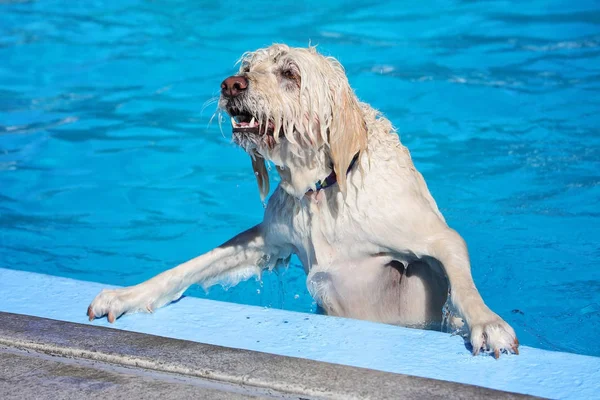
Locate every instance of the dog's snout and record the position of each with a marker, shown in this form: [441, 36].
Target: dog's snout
[233, 86]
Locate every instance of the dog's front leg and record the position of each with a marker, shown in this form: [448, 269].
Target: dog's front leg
[246, 250]
[488, 331]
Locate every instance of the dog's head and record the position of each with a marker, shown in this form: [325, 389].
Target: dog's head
[294, 106]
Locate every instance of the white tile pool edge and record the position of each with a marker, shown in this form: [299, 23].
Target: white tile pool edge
[335, 340]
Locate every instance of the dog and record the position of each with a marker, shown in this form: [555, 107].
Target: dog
[350, 205]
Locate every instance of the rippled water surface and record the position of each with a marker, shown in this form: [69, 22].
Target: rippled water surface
[110, 171]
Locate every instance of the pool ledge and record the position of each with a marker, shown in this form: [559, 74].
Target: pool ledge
[310, 337]
[183, 365]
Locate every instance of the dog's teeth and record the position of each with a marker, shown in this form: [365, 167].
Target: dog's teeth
[252, 121]
[233, 123]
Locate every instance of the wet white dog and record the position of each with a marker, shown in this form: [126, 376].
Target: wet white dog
[350, 205]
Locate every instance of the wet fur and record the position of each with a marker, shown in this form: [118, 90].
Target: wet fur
[375, 246]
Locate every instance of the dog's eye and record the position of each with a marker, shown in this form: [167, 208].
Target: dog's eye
[288, 74]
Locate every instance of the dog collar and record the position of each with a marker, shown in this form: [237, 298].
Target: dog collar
[332, 177]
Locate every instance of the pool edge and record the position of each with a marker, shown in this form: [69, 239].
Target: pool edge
[355, 343]
[251, 369]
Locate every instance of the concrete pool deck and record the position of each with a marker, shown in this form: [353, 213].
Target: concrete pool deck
[254, 331]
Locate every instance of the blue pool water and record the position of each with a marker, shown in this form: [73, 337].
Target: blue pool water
[110, 171]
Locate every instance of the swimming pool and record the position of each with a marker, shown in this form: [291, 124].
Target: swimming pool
[110, 171]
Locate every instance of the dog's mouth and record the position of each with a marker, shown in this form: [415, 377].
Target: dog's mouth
[243, 122]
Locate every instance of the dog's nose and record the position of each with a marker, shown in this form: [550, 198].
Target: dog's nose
[233, 86]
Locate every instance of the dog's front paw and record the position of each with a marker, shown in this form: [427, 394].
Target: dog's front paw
[116, 302]
[494, 335]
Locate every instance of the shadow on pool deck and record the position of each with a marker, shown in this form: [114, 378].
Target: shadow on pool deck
[44, 358]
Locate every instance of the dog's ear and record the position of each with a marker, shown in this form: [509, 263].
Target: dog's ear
[262, 175]
[347, 133]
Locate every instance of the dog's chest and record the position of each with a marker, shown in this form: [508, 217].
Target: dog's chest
[321, 229]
